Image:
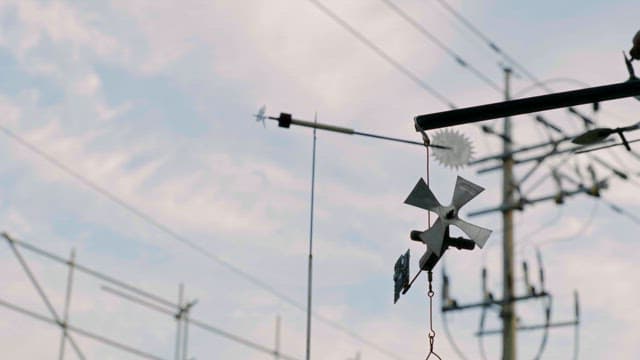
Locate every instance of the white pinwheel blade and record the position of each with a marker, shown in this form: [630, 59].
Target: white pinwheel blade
[476, 233]
[434, 237]
[464, 191]
[422, 197]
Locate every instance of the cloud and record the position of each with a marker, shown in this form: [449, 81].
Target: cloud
[213, 176]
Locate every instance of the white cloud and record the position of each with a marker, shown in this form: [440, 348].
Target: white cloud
[88, 85]
[244, 194]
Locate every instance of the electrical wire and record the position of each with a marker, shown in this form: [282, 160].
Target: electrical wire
[493, 46]
[385, 56]
[545, 334]
[483, 316]
[447, 333]
[189, 243]
[381, 53]
[584, 228]
[445, 48]
[547, 224]
[457, 58]
[497, 49]
[439, 43]
[621, 211]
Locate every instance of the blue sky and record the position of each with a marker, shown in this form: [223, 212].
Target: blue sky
[153, 102]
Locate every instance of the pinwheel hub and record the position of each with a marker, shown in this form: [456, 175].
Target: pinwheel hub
[450, 213]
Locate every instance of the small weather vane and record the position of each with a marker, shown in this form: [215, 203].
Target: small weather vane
[437, 238]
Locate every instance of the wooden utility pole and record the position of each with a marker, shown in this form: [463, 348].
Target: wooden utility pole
[508, 307]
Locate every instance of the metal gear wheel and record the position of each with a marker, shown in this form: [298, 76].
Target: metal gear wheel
[460, 149]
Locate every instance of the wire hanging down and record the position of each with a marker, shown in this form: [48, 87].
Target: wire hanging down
[432, 333]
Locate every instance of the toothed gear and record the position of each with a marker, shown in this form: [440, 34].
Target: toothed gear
[460, 149]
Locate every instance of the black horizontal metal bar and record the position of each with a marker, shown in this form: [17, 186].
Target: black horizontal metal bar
[528, 105]
[493, 302]
[530, 327]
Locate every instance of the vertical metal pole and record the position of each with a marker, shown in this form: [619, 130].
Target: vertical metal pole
[179, 321]
[67, 304]
[309, 287]
[185, 333]
[508, 307]
[277, 352]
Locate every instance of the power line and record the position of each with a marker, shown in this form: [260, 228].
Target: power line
[462, 62]
[452, 342]
[189, 243]
[381, 53]
[458, 59]
[397, 65]
[474, 29]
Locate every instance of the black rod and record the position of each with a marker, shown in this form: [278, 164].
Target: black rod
[528, 105]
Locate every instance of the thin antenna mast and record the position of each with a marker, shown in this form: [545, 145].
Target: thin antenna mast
[310, 271]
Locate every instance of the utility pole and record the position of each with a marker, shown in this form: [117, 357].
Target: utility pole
[508, 307]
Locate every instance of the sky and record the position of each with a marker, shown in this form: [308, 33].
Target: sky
[152, 104]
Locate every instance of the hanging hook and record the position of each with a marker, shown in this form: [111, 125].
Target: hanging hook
[432, 333]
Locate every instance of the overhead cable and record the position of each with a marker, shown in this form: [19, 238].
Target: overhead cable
[381, 53]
